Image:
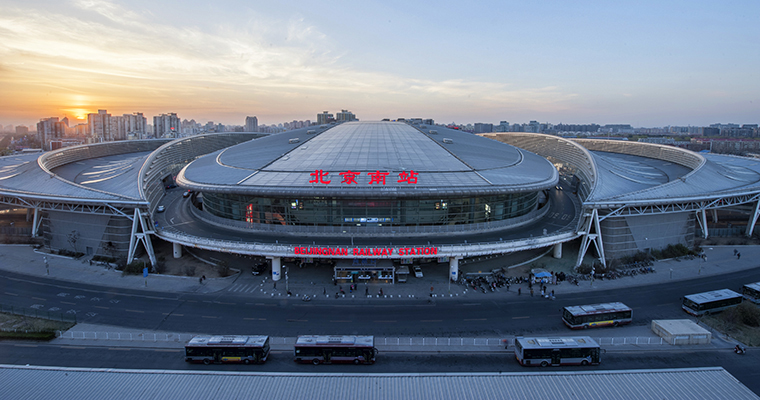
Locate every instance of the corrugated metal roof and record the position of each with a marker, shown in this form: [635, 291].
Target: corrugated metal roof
[64, 383]
[21, 175]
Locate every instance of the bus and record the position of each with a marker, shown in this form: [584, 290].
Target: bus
[710, 302]
[532, 352]
[335, 349]
[596, 315]
[751, 292]
[227, 349]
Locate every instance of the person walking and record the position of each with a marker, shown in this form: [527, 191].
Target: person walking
[519, 291]
[531, 292]
[738, 255]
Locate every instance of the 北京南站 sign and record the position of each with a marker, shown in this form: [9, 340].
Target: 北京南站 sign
[366, 252]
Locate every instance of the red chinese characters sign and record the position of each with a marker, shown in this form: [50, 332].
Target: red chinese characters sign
[376, 178]
[374, 252]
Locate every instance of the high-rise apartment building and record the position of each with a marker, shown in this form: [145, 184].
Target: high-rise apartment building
[166, 125]
[345, 115]
[50, 129]
[99, 126]
[324, 118]
[251, 124]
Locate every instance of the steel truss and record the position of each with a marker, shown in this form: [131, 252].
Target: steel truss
[141, 226]
[594, 213]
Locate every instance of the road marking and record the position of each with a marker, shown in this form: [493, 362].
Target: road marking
[167, 350]
[25, 345]
[209, 316]
[11, 294]
[177, 315]
[229, 304]
[297, 320]
[118, 349]
[37, 298]
[137, 311]
[104, 308]
[340, 320]
[66, 302]
[73, 347]
[432, 320]
[255, 319]
[257, 304]
[521, 317]
[391, 321]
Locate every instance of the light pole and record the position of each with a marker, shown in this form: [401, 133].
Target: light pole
[287, 291]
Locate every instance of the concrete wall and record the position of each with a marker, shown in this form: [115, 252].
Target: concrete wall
[681, 332]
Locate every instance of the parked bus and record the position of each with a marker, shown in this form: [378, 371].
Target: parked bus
[335, 349]
[751, 292]
[710, 302]
[557, 351]
[227, 349]
[596, 315]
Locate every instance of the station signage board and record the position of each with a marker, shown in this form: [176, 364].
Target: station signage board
[366, 252]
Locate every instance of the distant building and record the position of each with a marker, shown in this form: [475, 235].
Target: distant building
[324, 118]
[50, 130]
[483, 128]
[166, 125]
[345, 115]
[99, 126]
[22, 130]
[251, 124]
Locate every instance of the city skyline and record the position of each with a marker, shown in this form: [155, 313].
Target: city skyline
[649, 64]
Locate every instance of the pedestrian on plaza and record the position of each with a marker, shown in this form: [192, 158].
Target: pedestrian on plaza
[735, 251]
[381, 291]
[366, 291]
[274, 285]
[519, 291]
[507, 286]
[531, 292]
[738, 255]
[543, 291]
[324, 291]
[552, 295]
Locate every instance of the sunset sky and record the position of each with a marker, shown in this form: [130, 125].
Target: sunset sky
[647, 63]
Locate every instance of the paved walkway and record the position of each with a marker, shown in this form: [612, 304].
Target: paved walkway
[316, 282]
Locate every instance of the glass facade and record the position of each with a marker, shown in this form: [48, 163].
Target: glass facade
[327, 211]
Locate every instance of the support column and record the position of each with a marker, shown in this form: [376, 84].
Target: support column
[454, 268]
[276, 268]
[753, 219]
[702, 220]
[714, 215]
[36, 222]
[591, 232]
[557, 250]
[177, 250]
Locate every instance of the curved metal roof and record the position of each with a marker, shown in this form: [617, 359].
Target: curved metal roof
[385, 159]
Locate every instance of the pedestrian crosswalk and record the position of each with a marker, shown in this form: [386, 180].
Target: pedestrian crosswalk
[244, 287]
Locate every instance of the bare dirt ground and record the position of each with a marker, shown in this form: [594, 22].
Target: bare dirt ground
[9, 322]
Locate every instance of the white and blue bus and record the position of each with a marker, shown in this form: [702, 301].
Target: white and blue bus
[751, 292]
[710, 302]
[543, 352]
[227, 349]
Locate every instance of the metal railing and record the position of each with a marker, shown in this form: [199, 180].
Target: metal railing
[42, 314]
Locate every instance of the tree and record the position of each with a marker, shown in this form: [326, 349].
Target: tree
[72, 238]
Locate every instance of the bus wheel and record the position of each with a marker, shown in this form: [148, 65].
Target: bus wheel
[584, 363]
[315, 361]
[616, 324]
[544, 364]
[206, 361]
[246, 361]
[356, 361]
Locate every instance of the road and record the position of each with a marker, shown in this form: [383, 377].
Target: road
[225, 312]
[742, 367]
